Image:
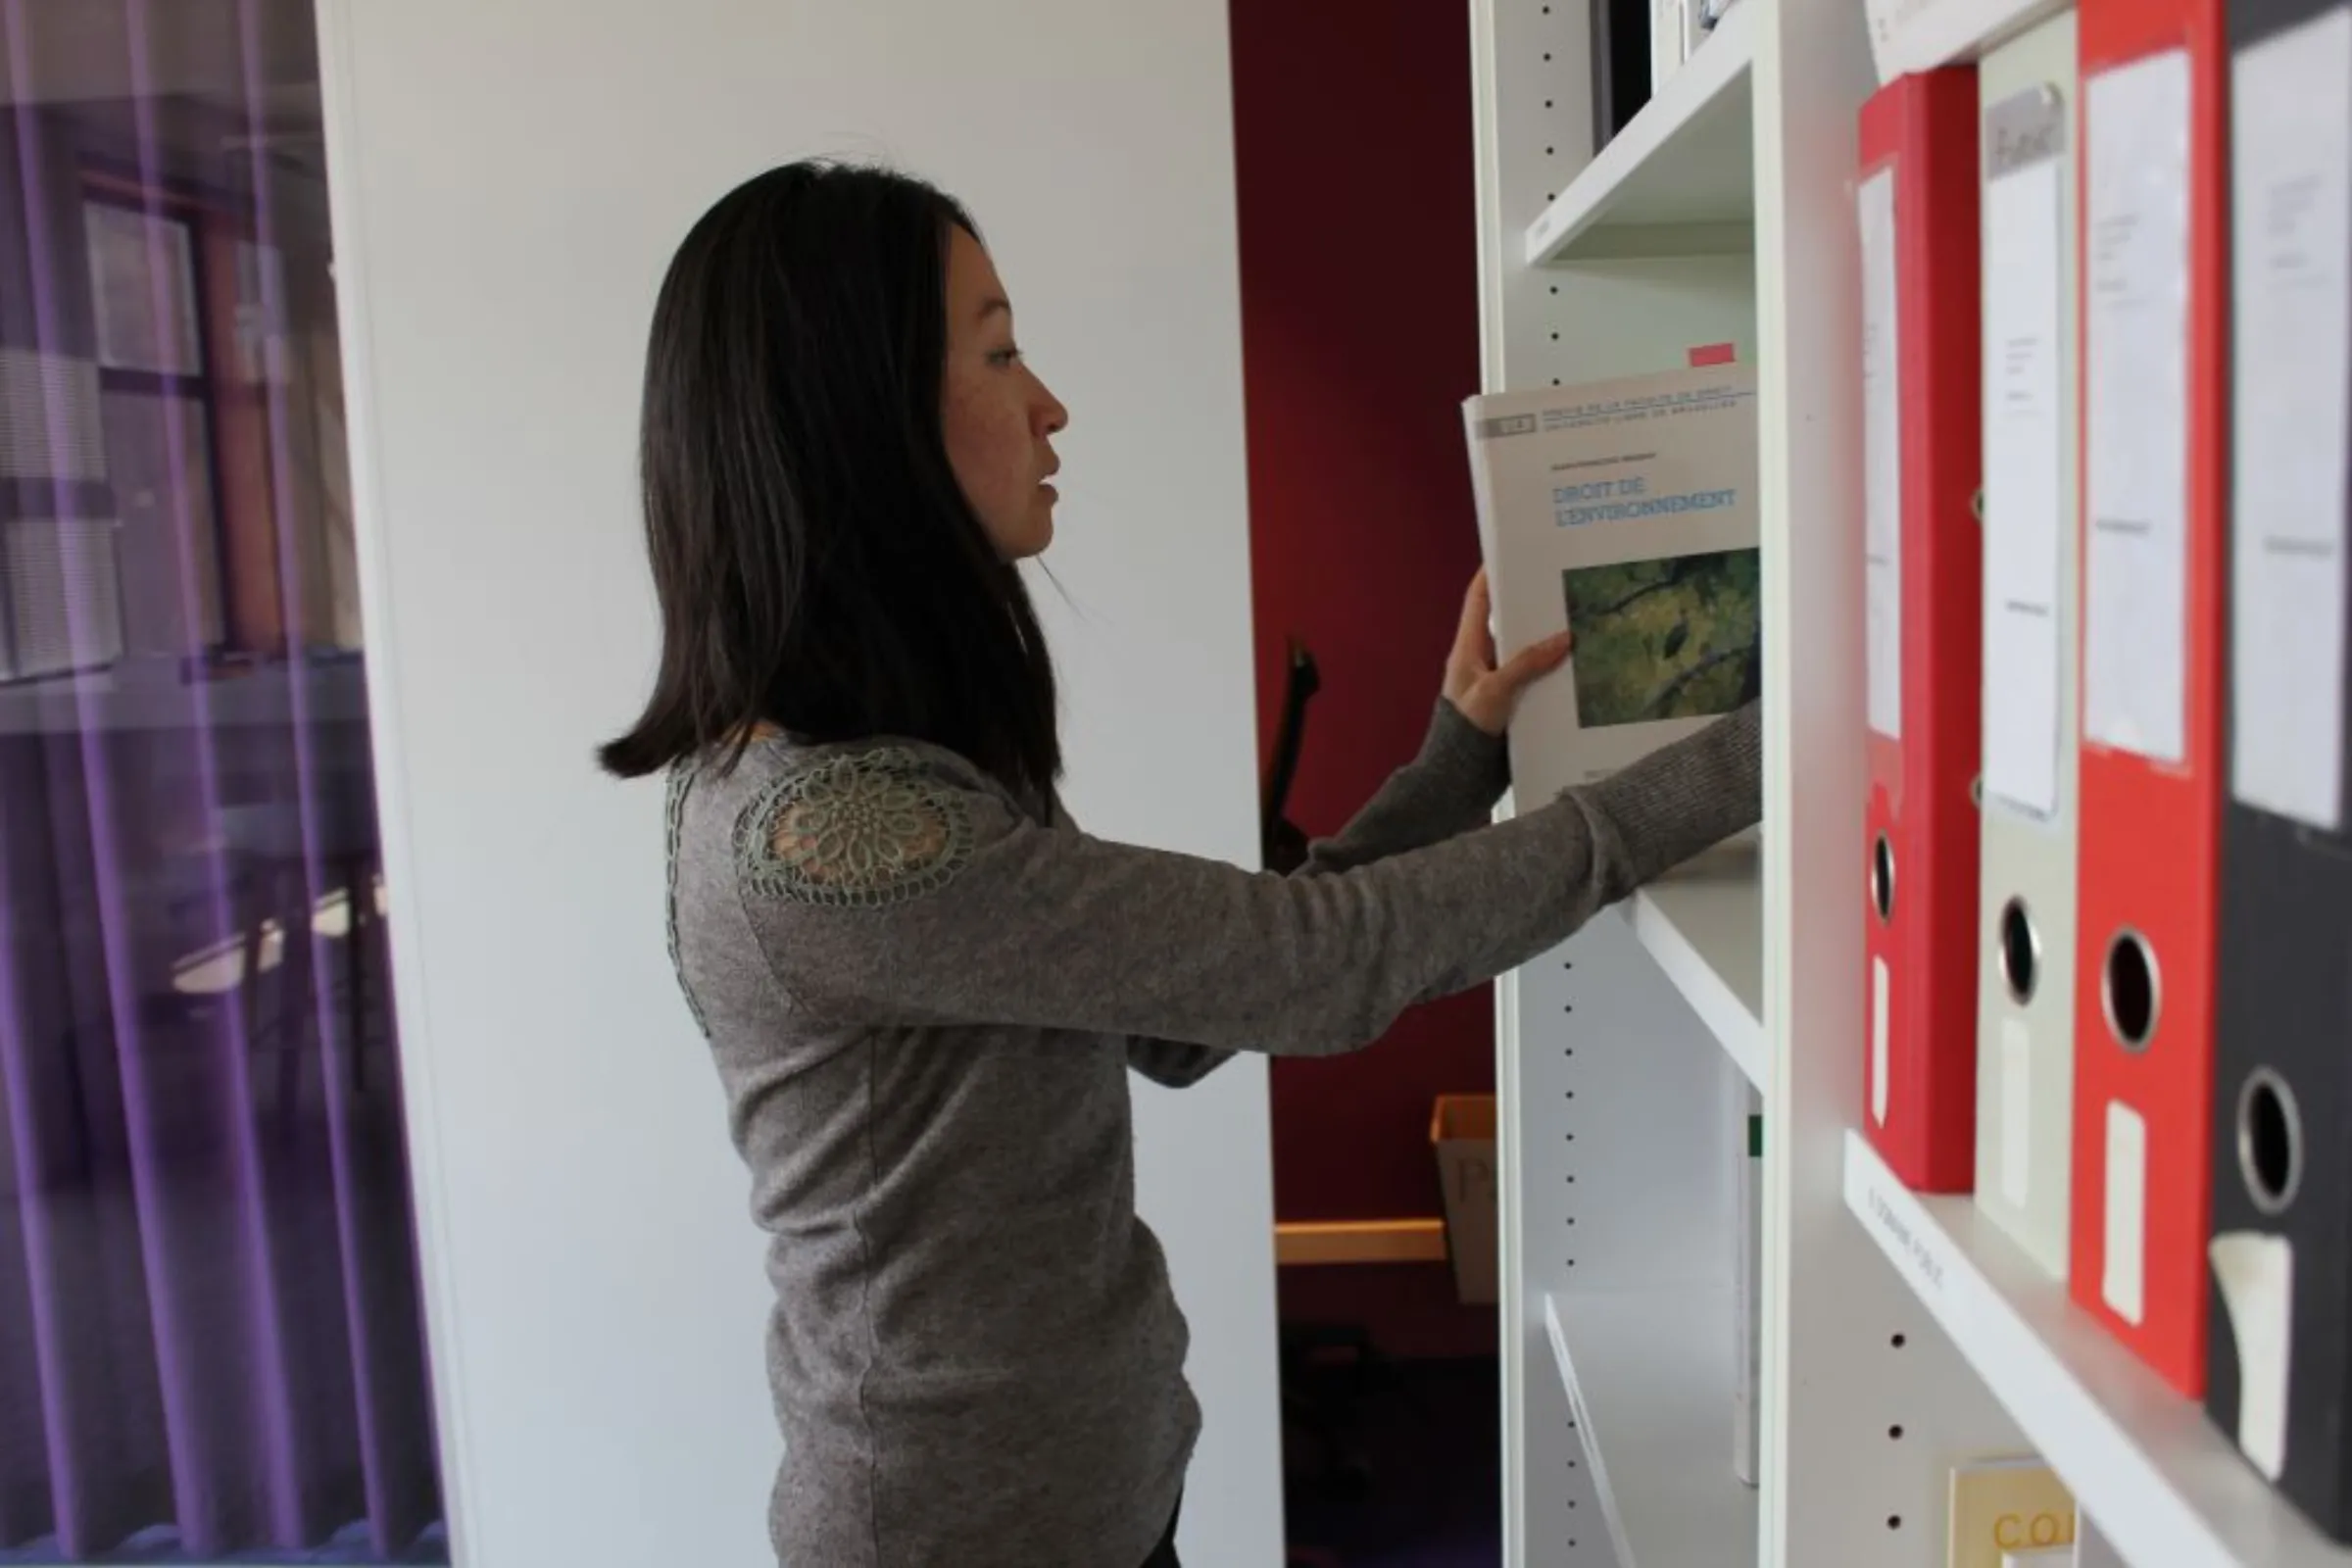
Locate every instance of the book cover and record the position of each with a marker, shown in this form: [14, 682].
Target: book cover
[1923, 663]
[1625, 511]
[2006, 1505]
[1747, 1288]
[1621, 64]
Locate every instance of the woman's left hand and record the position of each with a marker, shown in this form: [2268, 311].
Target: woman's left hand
[1485, 694]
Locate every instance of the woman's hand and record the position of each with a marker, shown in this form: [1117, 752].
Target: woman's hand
[1485, 695]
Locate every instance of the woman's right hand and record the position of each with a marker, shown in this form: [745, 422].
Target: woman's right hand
[1485, 695]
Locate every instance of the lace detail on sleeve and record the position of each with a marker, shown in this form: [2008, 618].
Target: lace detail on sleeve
[675, 817]
[861, 831]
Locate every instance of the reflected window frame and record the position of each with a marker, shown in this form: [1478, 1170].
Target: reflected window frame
[190, 218]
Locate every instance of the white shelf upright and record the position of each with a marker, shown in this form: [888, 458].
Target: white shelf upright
[1900, 1335]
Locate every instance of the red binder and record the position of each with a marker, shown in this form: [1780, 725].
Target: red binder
[1920, 830]
[2152, 770]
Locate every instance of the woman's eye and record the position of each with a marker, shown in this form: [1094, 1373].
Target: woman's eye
[1005, 357]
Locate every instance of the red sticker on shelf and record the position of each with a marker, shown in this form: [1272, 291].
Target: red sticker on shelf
[1707, 354]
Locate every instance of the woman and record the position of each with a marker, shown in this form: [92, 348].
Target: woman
[924, 987]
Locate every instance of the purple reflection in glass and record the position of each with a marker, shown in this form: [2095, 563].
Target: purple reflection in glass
[211, 1343]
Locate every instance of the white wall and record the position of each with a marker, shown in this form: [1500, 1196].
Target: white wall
[510, 180]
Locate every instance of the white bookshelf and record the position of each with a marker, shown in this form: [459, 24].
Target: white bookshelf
[1901, 1335]
[1644, 1372]
[2165, 1485]
[1704, 925]
[1676, 180]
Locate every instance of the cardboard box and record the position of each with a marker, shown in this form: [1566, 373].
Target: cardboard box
[1461, 1131]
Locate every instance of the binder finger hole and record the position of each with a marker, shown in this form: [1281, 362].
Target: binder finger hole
[2128, 989]
[2270, 1140]
[1882, 878]
[2021, 952]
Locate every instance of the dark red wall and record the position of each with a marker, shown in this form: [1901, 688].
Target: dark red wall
[1359, 324]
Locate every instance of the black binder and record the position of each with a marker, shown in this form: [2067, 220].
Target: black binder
[2280, 1276]
[1619, 65]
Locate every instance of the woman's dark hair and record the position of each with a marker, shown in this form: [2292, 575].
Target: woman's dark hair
[817, 564]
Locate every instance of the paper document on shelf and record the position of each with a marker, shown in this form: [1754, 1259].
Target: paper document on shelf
[2136, 394]
[2291, 222]
[1881, 458]
[1892, 24]
[2025, 496]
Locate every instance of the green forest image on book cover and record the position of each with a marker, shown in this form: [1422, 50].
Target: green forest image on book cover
[1674, 638]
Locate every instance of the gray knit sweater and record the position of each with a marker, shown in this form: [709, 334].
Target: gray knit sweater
[924, 1000]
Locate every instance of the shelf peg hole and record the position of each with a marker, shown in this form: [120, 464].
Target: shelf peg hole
[1882, 878]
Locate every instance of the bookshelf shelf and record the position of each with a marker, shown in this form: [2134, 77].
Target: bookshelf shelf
[1678, 180]
[1649, 1379]
[2163, 1484]
[1705, 924]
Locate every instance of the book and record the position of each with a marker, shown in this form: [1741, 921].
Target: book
[1626, 512]
[1748, 1285]
[1673, 34]
[1622, 65]
[2006, 1505]
[1922, 666]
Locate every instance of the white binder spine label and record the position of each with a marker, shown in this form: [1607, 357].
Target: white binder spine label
[2017, 1112]
[2291, 222]
[2025, 499]
[2123, 1279]
[2136, 392]
[1878, 1041]
[2256, 1274]
[1882, 457]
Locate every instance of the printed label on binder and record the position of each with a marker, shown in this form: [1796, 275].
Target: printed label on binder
[2135, 391]
[2122, 1282]
[2025, 497]
[1878, 1041]
[1883, 460]
[2291, 217]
